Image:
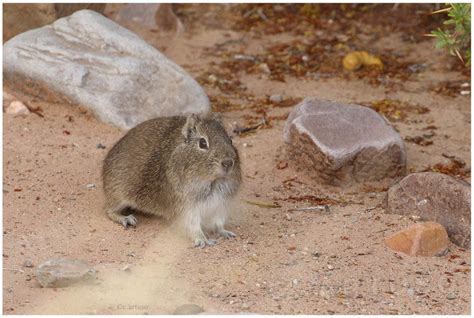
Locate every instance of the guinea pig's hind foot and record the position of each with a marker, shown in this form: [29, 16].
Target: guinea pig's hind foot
[128, 220]
[125, 220]
[226, 234]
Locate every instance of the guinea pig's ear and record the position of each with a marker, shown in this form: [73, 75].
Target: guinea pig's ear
[190, 126]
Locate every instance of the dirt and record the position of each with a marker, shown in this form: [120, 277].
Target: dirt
[283, 261]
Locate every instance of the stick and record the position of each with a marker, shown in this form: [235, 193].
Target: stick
[263, 203]
[324, 208]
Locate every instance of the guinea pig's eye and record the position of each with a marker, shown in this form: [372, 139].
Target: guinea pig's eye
[203, 143]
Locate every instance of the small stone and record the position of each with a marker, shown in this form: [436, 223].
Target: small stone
[100, 146]
[264, 68]
[28, 263]
[188, 309]
[244, 57]
[330, 267]
[212, 78]
[337, 144]
[127, 268]
[422, 239]
[416, 68]
[436, 197]
[64, 272]
[90, 186]
[294, 282]
[288, 217]
[324, 294]
[276, 98]
[17, 108]
[316, 254]
[451, 296]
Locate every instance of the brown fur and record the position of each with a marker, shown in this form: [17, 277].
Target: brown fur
[159, 168]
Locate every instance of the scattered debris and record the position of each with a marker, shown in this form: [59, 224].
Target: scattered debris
[263, 203]
[395, 110]
[419, 140]
[242, 130]
[456, 167]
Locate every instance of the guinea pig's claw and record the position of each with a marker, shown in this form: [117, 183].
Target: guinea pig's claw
[129, 220]
[201, 243]
[227, 234]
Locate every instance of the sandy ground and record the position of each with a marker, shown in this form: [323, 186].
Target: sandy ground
[282, 261]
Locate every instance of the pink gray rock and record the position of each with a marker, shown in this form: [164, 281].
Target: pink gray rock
[342, 144]
[64, 272]
[434, 197]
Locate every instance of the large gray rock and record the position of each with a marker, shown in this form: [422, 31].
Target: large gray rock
[434, 197]
[89, 60]
[341, 144]
[64, 272]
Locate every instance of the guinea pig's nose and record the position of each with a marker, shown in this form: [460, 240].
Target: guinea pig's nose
[227, 164]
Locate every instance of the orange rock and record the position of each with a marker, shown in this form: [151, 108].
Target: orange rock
[422, 239]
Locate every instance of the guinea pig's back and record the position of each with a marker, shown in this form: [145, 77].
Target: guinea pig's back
[127, 162]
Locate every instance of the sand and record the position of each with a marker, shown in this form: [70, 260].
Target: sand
[282, 261]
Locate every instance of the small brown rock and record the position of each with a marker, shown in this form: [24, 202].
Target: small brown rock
[422, 239]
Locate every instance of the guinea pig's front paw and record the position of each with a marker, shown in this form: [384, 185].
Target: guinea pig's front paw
[202, 242]
[226, 234]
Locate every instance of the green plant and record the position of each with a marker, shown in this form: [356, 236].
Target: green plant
[456, 35]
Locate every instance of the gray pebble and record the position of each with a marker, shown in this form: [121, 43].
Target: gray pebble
[64, 272]
[451, 296]
[188, 309]
[276, 98]
[28, 263]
